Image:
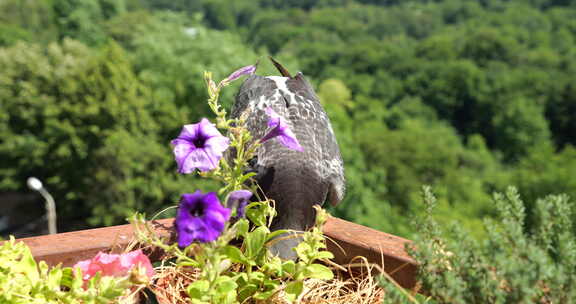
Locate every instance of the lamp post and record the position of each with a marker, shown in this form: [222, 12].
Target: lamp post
[36, 185]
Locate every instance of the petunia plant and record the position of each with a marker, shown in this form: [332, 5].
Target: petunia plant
[199, 146]
[225, 234]
[106, 278]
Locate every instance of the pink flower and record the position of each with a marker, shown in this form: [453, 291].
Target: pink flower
[116, 265]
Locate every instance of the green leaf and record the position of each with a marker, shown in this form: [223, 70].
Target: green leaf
[241, 277]
[271, 284]
[27, 265]
[77, 279]
[293, 290]
[245, 177]
[241, 227]
[255, 241]
[256, 277]
[273, 266]
[235, 255]
[317, 271]
[246, 291]
[276, 233]
[289, 267]
[188, 264]
[54, 280]
[198, 289]
[225, 285]
[324, 255]
[264, 295]
[256, 213]
[303, 250]
[67, 277]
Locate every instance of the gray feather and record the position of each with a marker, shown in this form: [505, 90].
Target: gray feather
[295, 180]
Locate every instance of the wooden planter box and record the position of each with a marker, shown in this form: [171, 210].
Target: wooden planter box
[352, 240]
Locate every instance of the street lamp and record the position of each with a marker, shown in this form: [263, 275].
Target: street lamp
[36, 185]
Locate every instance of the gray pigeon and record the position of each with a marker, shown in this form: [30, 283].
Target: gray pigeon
[295, 180]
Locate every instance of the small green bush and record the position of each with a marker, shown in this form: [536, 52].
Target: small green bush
[80, 119]
[513, 265]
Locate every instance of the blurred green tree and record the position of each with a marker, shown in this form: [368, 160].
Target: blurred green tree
[81, 120]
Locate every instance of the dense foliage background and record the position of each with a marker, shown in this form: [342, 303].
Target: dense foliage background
[466, 96]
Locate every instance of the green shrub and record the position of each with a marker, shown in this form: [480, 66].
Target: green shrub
[79, 119]
[515, 264]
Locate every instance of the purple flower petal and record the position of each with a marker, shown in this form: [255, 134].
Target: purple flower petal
[206, 129]
[281, 130]
[239, 199]
[199, 158]
[274, 118]
[247, 70]
[199, 146]
[200, 218]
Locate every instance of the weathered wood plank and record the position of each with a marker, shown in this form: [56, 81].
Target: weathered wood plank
[352, 240]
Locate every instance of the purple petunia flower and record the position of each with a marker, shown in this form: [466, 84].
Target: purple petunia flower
[200, 218]
[247, 70]
[239, 199]
[199, 146]
[281, 130]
